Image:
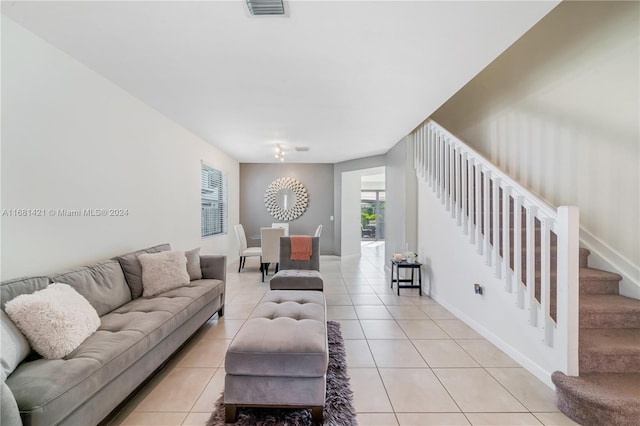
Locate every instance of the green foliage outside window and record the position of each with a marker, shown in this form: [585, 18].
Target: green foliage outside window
[365, 218]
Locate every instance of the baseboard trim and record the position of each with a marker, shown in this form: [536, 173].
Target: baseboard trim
[606, 258]
[535, 369]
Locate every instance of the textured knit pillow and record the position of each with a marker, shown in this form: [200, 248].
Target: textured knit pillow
[193, 264]
[163, 271]
[55, 320]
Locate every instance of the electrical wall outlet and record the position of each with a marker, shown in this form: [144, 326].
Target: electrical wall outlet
[478, 289]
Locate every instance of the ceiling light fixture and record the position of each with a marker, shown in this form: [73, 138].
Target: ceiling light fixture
[279, 153]
[265, 7]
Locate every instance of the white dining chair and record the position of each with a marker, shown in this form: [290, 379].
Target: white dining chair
[318, 231]
[243, 250]
[283, 225]
[270, 241]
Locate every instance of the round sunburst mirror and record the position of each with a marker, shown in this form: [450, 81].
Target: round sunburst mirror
[286, 199]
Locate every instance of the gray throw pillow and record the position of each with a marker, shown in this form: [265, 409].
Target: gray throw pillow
[102, 284]
[193, 264]
[14, 345]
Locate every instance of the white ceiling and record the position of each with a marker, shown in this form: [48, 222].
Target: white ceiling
[346, 79]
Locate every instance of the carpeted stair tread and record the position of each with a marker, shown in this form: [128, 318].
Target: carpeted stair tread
[609, 311]
[595, 281]
[599, 399]
[620, 341]
[592, 274]
[618, 384]
[610, 350]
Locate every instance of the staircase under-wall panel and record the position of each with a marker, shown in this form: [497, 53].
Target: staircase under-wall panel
[533, 247]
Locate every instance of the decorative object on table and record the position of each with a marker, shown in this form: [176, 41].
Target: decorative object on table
[338, 407]
[410, 256]
[397, 256]
[286, 198]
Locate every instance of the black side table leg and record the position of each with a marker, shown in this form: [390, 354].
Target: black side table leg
[392, 265]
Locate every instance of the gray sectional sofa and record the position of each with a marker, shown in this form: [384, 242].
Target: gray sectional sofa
[136, 336]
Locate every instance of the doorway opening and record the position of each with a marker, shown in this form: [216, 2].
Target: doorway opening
[372, 205]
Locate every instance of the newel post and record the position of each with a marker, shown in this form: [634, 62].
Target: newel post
[568, 289]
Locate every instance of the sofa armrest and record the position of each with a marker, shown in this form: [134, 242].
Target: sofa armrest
[214, 267]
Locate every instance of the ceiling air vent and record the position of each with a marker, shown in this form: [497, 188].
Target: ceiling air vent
[302, 148]
[266, 7]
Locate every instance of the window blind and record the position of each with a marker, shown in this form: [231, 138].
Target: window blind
[213, 192]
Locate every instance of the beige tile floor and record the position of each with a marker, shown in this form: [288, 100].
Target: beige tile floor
[411, 362]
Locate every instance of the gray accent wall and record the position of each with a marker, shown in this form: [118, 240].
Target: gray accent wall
[317, 178]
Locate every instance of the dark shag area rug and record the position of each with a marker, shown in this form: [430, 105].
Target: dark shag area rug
[338, 406]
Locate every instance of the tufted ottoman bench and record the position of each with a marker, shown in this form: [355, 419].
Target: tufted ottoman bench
[297, 279]
[279, 357]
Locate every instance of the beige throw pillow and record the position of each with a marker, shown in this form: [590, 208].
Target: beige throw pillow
[55, 320]
[163, 271]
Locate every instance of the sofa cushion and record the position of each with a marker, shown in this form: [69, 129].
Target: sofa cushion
[297, 279]
[124, 336]
[9, 413]
[54, 320]
[193, 263]
[133, 270]
[25, 285]
[163, 272]
[102, 284]
[13, 345]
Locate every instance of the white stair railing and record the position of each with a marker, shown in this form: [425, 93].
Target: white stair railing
[531, 246]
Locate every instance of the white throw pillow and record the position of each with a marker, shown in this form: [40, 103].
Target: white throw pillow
[55, 320]
[163, 271]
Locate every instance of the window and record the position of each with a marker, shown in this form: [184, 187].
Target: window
[213, 195]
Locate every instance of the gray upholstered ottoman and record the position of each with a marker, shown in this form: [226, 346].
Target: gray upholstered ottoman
[279, 357]
[297, 279]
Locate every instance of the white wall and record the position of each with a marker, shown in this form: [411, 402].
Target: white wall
[73, 140]
[401, 211]
[558, 112]
[350, 214]
[452, 267]
[338, 169]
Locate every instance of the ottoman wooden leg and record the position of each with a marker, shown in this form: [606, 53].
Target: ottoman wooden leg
[316, 415]
[230, 414]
